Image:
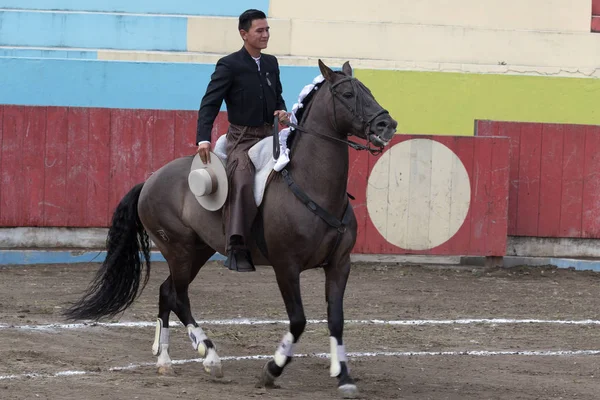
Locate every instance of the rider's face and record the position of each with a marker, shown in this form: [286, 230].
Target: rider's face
[258, 35]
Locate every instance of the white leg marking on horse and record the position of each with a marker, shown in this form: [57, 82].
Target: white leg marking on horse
[197, 336]
[338, 355]
[212, 361]
[156, 344]
[285, 350]
[161, 336]
[160, 347]
[164, 360]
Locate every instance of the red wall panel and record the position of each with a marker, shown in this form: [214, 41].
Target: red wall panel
[595, 15]
[480, 187]
[551, 180]
[573, 164]
[142, 130]
[465, 150]
[554, 189]
[528, 196]
[120, 155]
[595, 7]
[359, 173]
[77, 168]
[11, 198]
[185, 133]
[56, 197]
[163, 139]
[71, 166]
[98, 179]
[1, 169]
[591, 184]
[33, 137]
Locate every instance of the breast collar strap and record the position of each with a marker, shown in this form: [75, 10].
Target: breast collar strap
[339, 225]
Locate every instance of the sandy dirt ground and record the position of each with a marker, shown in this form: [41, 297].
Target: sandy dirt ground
[115, 362]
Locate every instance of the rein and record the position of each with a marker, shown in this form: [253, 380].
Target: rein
[356, 146]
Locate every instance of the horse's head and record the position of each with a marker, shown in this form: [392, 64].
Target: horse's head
[355, 110]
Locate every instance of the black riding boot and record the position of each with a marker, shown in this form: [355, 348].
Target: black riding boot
[238, 256]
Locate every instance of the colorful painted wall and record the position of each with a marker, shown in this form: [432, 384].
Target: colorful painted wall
[71, 68]
[436, 66]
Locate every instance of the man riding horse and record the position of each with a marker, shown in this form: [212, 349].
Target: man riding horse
[249, 83]
[307, 219]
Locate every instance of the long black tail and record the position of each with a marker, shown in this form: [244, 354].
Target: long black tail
[116, 284]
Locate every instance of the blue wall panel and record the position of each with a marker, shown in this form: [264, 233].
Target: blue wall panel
[109, 31]
[231, 8]
[121, 84]
[43, 53]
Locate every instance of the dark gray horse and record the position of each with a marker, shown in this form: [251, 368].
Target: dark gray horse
[305, 221]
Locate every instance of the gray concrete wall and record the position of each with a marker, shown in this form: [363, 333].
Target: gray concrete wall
[95, 238]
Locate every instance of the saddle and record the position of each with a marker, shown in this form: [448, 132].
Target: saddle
[261, 155]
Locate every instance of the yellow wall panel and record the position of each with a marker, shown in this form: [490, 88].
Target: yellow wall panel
[448, 103]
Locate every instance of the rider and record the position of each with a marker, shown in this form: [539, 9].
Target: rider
[249, 83]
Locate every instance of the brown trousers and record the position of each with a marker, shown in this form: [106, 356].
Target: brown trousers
[240, 209]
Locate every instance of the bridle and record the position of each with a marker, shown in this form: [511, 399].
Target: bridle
[366, 121]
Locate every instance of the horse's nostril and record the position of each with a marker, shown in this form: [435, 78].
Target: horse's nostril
[382, 124]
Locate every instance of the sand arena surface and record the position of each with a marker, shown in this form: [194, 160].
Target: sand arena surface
[433, 338]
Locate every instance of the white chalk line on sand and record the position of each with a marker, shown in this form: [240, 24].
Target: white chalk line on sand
[474, 353]
[246, 321]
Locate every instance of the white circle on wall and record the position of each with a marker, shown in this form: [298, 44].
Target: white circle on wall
[418, 194]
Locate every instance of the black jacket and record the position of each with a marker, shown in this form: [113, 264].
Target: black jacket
[251, 96]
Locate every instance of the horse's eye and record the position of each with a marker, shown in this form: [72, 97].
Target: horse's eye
[348, 95]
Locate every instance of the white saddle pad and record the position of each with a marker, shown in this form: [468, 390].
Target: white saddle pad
[261, 155]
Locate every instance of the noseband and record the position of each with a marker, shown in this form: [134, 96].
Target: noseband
[356, 86]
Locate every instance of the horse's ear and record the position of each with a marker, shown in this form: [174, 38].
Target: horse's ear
[326, 71]
[347, 69]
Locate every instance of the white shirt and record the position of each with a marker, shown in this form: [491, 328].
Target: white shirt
[257, 59]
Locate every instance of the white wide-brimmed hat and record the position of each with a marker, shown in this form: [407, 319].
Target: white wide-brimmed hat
[208, 182]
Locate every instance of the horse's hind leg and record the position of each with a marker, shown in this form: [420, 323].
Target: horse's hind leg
[336, 277]
[288, 279]
[184, 264]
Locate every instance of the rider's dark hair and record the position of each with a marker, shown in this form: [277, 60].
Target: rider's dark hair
[248, 16]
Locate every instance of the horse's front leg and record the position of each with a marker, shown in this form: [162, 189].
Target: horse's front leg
[336, 277]
[288, 279]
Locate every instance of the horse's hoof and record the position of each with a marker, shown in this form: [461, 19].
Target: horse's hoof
[266, 379]
[215, 371]
[348, 391]
[166, 370]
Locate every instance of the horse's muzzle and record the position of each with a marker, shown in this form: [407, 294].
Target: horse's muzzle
[383, 129]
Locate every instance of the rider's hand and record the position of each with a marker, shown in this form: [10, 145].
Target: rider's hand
[284, 116]
[204, 152]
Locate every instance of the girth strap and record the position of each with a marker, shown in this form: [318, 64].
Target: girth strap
[320, 212]
[338, 239]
